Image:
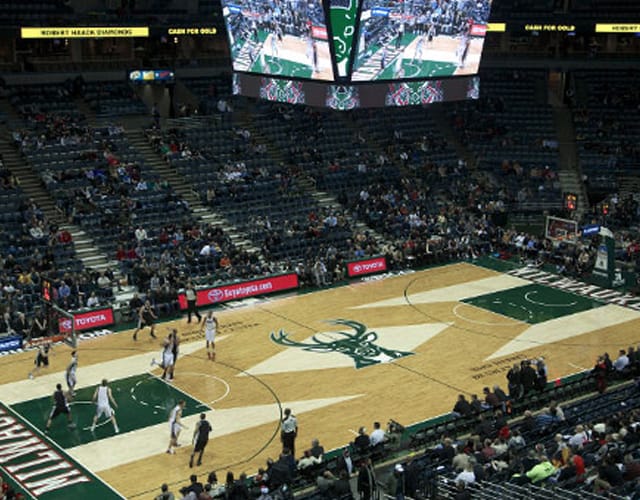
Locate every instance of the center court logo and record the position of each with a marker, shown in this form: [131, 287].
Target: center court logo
[215, 295]
[360, 346]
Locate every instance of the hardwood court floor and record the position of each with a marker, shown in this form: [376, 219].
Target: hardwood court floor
[440, 332]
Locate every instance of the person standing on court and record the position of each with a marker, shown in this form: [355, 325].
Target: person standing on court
[192, 297]
[146, 317]
[70, 375]
[60, 405]
[42, 358]
[210, 327]
[175, 425]
[175, 348]
[289, 431]
[200, 438]
[103, 399]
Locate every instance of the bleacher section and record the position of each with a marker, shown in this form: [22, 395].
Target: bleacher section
[606, 130]
[40, 12]
[113, 99]
[525, 9]
[432, 473]
[30, 247]
[97, 179]
[234, 175]
[209, 90]
[510, 129]
[618, 10]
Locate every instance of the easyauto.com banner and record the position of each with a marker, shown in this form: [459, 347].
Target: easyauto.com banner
[242, 290]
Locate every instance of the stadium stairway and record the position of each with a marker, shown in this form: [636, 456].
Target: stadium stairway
[324, 199]
[570, 175]
[85, 247]
[439, 115]
[139, 141]
[86, 110]
[29, 182]
[245, 119]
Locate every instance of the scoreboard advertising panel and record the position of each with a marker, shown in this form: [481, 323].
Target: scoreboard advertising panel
[351, 96]
[344, 41]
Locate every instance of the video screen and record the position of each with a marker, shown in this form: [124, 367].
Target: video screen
[360, 95]
[414, 93]
[430, 39]
[342, 97]
[279, 37]
[289, 91]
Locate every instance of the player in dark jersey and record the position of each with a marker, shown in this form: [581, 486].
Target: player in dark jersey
[60, 406]
[42, 358]
[175, 348]
[200, 439]
[146, 317]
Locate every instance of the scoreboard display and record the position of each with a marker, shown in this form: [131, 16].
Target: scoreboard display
[352, 41]
[397, 40]
[283, 37]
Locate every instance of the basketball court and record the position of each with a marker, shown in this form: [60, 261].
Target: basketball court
[438, 58]
[290, 57]
[391, 347]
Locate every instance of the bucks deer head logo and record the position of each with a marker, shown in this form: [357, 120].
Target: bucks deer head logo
[359, 345]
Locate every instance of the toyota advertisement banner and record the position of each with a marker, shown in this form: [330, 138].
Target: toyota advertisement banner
[242, 290]
[90, 320]
[366, 266]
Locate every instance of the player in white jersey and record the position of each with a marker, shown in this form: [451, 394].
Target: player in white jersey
[70, 374]
[104, 399]
[168, 355]
[210, 327]
[417, 56]
[175, 425]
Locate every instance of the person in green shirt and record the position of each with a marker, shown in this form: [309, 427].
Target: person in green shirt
[541, 471]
